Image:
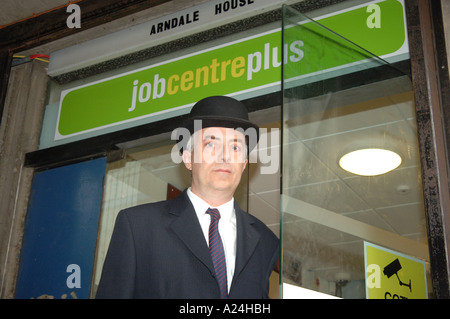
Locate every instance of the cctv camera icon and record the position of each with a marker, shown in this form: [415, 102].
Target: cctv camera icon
[393, 268]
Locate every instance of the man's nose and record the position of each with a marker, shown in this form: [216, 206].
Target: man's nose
[225, 154]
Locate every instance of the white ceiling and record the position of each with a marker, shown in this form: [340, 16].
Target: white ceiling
[388, 208]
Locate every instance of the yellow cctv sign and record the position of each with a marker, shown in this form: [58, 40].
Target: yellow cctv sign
[392, 275]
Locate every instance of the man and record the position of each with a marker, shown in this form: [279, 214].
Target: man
[200, 244]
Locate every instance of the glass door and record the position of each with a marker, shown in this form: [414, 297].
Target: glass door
[343, 109]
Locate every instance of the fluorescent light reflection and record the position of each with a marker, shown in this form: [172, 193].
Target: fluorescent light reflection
[370, 161]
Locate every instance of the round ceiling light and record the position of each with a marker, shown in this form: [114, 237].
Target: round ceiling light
[370, 161]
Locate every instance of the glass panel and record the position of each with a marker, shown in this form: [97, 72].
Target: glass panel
[344, 100]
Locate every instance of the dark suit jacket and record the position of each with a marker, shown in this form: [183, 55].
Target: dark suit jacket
[158, 250]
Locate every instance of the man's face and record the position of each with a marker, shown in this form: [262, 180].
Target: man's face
[217, 161]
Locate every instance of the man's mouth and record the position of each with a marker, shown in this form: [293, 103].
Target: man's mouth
[222, 170]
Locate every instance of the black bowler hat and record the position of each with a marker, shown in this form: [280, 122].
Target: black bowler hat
[222, 111]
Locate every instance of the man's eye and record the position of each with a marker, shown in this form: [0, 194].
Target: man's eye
[210, 144]
[236, 148]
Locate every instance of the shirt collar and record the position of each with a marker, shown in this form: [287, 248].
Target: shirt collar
[226, 210]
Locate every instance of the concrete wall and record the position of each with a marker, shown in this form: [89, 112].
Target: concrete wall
[19, 134]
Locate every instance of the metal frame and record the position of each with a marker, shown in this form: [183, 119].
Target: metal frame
[431, 90]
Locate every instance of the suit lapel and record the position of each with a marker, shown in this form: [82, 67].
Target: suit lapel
[246, 240]
[187, 228]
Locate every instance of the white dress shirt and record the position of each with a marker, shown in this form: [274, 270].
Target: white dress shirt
[227, 228]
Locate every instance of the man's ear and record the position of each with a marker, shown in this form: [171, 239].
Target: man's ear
[245, 164]
[187, 159]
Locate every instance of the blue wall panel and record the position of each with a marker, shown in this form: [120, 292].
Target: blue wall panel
[61, 227]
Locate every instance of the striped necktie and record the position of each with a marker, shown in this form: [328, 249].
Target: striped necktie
[217, 252]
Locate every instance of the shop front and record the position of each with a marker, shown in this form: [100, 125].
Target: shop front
[323, 82]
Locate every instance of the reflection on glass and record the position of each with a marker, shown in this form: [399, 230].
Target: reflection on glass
[327, 212]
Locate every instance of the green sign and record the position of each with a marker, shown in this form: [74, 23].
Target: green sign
[242, 66]
[392, 275]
